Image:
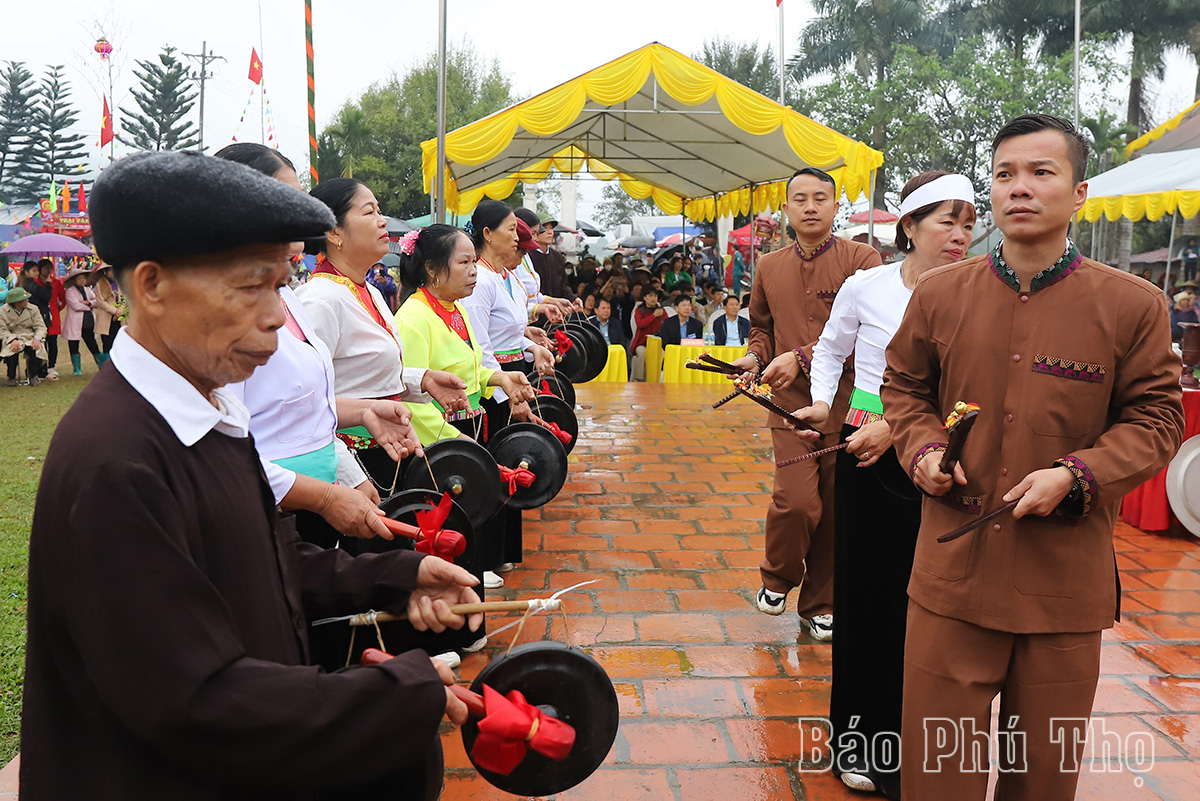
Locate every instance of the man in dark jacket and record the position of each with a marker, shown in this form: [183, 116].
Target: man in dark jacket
[609, 325]
[168, 599]
[730, 328]
[683, 325]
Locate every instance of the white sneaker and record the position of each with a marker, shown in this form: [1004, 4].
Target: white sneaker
[771, 603]
[858, 781]
[491, 581]
[52, 374]
[451, 658]
[478, 645]
[820, 627]
[507, 567]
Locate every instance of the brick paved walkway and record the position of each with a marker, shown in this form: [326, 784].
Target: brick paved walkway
[665, 506]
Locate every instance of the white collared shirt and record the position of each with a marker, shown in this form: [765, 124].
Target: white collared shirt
[190, 415]
[497, 317]
[865, 316]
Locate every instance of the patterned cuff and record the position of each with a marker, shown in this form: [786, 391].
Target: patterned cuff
[804, 361]
[927, 449]
[1078, 503]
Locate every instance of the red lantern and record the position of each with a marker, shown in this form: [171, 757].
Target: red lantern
[103, 47]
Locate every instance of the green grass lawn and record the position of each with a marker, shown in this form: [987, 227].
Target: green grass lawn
[28, 417]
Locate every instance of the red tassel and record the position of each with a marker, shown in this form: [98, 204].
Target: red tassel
[511, 727]
[518, 477]
[562, 342]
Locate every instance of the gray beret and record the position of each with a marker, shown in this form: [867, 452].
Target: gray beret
[164, 205]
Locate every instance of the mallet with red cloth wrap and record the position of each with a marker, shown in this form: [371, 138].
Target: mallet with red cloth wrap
[430, 537]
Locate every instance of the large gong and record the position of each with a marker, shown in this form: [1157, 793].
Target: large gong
[555, 410]
[573, 363]
[529, 446]
[465, 469]
[567, 684]
[595, 347]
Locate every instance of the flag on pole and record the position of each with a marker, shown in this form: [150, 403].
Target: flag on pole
[66, 197]
[106, 126]
[255, 66]
[82, 205]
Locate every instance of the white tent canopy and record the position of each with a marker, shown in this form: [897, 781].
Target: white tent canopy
[1149, 186]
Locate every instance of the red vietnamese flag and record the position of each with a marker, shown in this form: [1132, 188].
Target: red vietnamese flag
[255, 66]
[106, 126]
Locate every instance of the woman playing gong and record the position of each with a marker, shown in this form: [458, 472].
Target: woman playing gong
[352, 319]
[437, 270]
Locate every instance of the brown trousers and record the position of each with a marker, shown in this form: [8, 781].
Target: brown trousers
[799, 550]
[953, 670]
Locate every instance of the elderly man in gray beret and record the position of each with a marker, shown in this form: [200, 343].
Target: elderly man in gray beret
[168, 598]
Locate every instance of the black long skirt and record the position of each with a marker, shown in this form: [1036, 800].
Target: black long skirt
[877, 512]
[505, 534]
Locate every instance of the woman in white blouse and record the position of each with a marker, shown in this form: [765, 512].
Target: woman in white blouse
[498, 313]
[294, 412]
[877, 510]
[352, 320]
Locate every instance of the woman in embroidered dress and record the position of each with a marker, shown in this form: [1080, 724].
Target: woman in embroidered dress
[352, 320]
[877, 510]
[497, 311]
[437, 271]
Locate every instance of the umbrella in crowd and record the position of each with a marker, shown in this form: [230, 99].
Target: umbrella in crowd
[47, 245]
[880, 216]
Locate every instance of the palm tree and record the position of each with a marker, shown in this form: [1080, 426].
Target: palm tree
[352, 136]
[865, 35]
[1153, 27]
[1109, 135]
[1018, 24]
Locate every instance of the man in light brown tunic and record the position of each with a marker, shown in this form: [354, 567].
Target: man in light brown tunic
[1070, 362]
[790, 301]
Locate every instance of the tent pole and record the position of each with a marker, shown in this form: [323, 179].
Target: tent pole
[1170, 249]
[439, 207]
[753, 250]
[871, 213]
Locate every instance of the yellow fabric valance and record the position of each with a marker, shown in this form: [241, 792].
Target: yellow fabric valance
[667, 127]
[1152, 206]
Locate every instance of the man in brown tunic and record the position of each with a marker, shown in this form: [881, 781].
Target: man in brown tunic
[790, 301]
[1076, 409]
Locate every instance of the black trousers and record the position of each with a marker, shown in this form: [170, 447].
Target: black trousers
[51, 351]
[32, 363]
[88, 338]
[106, 340]
[877, 513]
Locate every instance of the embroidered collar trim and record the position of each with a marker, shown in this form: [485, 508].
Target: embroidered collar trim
[821, 248]
[1066, 264]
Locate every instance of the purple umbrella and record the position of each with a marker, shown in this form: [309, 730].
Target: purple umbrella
[47, 245]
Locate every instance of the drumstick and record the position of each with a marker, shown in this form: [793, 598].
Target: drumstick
[474, 701]
[706, 368]
[725, 399]
[455, 609]
[774, 407]
[950, 536]
[812, 455]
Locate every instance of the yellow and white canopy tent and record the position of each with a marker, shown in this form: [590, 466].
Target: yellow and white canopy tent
[1163, 178]
[667, 127]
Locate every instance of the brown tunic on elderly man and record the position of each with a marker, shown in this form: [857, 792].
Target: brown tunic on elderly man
[168, 598]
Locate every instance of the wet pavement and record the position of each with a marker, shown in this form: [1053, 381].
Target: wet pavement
[665, 507]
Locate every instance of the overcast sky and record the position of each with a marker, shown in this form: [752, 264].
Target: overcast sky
[356, 44]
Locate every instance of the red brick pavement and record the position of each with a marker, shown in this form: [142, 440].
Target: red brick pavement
[665, 506]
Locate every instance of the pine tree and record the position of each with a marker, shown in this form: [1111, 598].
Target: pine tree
[17, 95]
[54, 153]
[164, 100]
